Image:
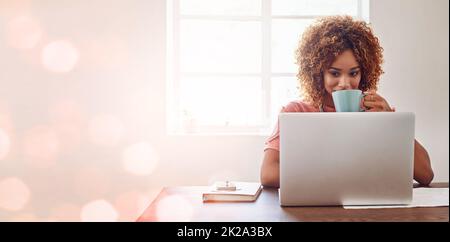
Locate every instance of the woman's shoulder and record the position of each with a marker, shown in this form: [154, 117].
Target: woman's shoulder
[299, 106]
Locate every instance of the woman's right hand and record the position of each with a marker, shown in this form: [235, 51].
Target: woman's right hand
[374, 102]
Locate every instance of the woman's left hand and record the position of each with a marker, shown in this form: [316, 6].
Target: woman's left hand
[376, 103]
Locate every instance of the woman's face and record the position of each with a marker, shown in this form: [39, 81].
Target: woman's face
[343, 74]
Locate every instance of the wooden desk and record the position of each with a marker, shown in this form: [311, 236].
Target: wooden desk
[267, 209]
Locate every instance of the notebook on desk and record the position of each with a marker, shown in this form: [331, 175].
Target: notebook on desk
[236, 192]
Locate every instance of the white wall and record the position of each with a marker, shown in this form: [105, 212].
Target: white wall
[120, 72]
[414, 35]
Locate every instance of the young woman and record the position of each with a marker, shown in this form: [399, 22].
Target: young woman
[337, 53]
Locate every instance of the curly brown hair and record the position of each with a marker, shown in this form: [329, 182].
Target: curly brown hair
[327, 38]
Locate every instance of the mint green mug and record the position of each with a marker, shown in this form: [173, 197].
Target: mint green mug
[348, 100]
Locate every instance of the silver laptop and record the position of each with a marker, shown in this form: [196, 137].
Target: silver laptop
[346, 158]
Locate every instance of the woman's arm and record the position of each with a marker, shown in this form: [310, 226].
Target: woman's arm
[270, 169]
[423, 173]
[422, 165]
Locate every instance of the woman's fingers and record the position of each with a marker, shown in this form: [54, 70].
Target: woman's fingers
[374, 102]
[369, 104]
[370, 97]
[374, 106]
[377, 107]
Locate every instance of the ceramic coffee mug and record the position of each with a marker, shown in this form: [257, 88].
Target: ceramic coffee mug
[348, 100]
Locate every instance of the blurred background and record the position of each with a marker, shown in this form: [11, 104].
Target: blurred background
[103, 103]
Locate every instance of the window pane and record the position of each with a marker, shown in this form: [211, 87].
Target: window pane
[220, 46]
[314, 7]
[221, 7]
[221, 101]
[286, 34]
[283, 91]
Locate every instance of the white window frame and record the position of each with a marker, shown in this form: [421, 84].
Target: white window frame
[173, 74]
